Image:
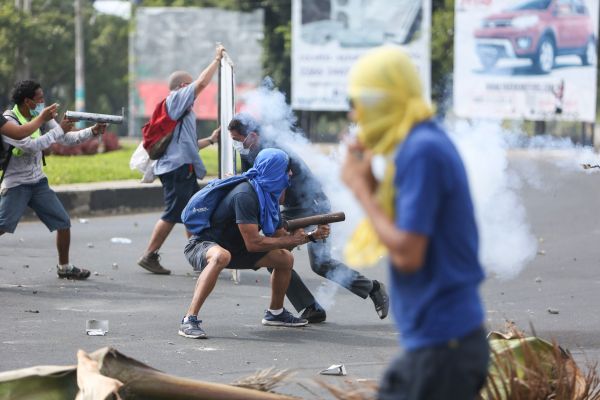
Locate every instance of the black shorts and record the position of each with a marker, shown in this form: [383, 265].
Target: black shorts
[179, 186]
[195, 252]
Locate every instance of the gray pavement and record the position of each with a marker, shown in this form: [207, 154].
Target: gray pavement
[43, 318]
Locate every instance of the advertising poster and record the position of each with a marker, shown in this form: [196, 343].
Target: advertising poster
[328, 36]
[526, 59]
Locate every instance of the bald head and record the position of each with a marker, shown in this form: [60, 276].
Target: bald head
[178, 78]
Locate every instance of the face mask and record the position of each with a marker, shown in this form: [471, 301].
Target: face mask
[239, 147]
[39, 107]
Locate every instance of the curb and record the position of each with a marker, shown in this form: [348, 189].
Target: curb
[111, 198]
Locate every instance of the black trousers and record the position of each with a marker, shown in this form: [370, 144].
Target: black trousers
[456, 370]
[323, 264]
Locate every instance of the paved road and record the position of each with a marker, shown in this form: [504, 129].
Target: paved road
[144, 310]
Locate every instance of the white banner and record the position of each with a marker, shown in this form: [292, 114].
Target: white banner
[328, 36]
[526, 59]
[226, 111]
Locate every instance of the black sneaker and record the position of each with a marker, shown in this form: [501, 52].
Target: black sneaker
[72, 272]
[314, 314]
[191, 328]
[284, 319]
[380, 299]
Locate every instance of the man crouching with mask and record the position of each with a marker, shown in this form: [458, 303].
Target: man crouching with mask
[226, 218]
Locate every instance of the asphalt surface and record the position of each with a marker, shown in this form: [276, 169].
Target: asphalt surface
[43, 318]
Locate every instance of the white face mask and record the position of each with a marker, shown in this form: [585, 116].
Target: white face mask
[239, 147]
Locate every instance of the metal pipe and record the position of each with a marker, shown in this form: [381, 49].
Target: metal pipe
[99, 118]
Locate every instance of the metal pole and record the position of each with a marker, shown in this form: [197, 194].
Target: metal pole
[132, 121]
[79, 63]
[23, 67]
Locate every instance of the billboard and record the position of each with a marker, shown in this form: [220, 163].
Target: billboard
[328, 36]
[526, 59]
[167, 39]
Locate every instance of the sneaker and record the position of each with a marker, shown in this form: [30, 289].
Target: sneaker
[72, 272]
[314, 314]
[191, 328]
[151, 263]
[380, 299]
[284, 319]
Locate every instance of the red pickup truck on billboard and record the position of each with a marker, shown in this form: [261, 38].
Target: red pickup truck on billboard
[539, 30]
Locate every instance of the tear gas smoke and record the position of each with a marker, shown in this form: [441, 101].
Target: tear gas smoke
[507, 244]
[277, 121]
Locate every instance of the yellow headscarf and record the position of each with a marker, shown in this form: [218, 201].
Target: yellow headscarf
[387, 96]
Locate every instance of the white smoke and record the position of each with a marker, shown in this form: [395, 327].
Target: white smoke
[277, 120]
[507, 244]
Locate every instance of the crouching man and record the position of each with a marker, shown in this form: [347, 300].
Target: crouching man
[226, 218]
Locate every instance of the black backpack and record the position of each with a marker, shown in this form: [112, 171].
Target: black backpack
[5, 151]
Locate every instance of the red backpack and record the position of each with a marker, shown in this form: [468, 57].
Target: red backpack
[158, 132]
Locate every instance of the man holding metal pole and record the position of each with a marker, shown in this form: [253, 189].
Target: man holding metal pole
[304, 198]
[181, 166]
[23, 181]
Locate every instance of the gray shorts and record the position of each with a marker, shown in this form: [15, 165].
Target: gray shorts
[195, 252]
[40, 198]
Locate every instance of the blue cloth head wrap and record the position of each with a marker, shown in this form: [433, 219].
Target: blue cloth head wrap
[249, 124]
[270, 178]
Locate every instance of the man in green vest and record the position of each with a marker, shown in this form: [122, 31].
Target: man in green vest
[25, 184]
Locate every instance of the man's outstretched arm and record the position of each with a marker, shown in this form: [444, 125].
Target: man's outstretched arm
[207, 74]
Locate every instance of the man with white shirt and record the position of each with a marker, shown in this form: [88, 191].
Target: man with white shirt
[181, 166]
[25, 184]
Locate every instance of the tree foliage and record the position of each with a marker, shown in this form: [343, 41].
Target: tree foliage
[41, 45]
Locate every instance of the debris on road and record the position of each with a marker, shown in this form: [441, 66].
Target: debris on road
[96, 327]
[106, 372]
[538, 280]
[552, 311]
[33, 311]
[83, 221]
[120, 240]
[541, 252]
[335, 369]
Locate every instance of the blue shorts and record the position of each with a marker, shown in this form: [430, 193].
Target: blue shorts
[40, 198]
[179, 186]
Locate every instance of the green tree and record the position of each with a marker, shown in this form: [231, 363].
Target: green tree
[45, 38]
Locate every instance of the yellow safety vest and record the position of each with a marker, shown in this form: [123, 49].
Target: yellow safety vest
[23, 121]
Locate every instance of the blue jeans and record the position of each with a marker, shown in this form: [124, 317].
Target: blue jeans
[455, 370]
[40, 198]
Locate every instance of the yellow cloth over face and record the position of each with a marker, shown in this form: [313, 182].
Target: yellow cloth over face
[387, 97]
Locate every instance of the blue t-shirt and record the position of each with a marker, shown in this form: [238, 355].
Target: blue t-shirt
[440, 301]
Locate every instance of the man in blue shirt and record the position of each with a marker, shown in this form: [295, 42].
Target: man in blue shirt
[181, 166]
[423, 215]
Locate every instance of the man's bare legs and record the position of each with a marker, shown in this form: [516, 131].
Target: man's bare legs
[282, 262]
[63, 242]
[150, 259]
[162, 229]
[217, 258]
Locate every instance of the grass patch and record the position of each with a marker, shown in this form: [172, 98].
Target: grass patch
[111, 166]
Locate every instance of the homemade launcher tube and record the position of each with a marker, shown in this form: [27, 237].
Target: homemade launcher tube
[92, 117]
[320, 219]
